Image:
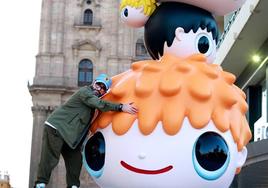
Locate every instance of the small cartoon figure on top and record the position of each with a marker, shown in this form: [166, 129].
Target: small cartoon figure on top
[178, 27]
[181, 30]
[135, 13]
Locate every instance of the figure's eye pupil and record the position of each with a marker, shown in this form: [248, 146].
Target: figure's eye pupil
[95, 152]
[211, 151]
[203, 44]
[126, 12]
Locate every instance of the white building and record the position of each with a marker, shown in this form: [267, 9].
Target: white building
[4, 179]
[243, 51]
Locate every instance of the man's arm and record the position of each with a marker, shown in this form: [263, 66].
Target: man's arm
[93, 101]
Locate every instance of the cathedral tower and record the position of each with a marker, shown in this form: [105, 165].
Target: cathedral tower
[78, 40]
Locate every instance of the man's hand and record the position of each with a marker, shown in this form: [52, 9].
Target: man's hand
[129, 108]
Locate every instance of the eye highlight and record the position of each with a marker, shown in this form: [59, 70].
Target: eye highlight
[94, 155]
[210, 156]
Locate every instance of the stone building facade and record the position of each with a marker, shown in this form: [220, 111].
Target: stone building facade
[78, 40]
[4, 180]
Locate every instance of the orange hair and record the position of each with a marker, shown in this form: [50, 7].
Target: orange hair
[173, 89]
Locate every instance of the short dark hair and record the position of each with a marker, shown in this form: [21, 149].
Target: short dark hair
[161, 26]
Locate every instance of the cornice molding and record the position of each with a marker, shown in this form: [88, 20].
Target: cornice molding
[35, 89]
[80, 2]
[41, 108]
[96, 45]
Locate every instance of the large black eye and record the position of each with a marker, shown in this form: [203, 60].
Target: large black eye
[211, 151]
[94, 154]
[126, 12]
[210, 155]
[203, 44]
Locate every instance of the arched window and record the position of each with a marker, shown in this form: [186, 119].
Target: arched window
[140, 48]
[88, 16]
[85, 72]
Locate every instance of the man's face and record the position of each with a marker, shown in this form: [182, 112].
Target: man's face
[99, 89]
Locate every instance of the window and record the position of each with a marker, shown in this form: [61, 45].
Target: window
[140, 48]
[88, 2]
[88, 15]
[85, 72]
[264, 100]
[254, 100]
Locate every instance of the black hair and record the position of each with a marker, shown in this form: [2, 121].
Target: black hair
[161, 25]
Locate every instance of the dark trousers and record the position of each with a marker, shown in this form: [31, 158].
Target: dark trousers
[53, 145]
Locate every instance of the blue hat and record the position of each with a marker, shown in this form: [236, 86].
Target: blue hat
[103, 78]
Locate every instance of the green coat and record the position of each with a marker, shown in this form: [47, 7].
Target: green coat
[73, 117]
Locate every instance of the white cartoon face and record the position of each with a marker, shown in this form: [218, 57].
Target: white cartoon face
[186, 44]
[216, 7]
[133, 17]
[192, 158]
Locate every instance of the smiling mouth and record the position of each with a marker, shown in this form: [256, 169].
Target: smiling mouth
[142, 171]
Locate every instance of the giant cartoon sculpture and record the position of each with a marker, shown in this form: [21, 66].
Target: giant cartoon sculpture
[191, 128]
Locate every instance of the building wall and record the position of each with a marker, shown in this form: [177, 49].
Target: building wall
[4, 184]
[4, 180]
[251, 38]
[64, 41]
[246, 35]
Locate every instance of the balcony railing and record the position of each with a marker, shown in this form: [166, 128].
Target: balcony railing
[85, 26]
[96, 25]
[227, 28]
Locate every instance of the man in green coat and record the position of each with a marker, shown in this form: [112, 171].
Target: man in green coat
[66, 127]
